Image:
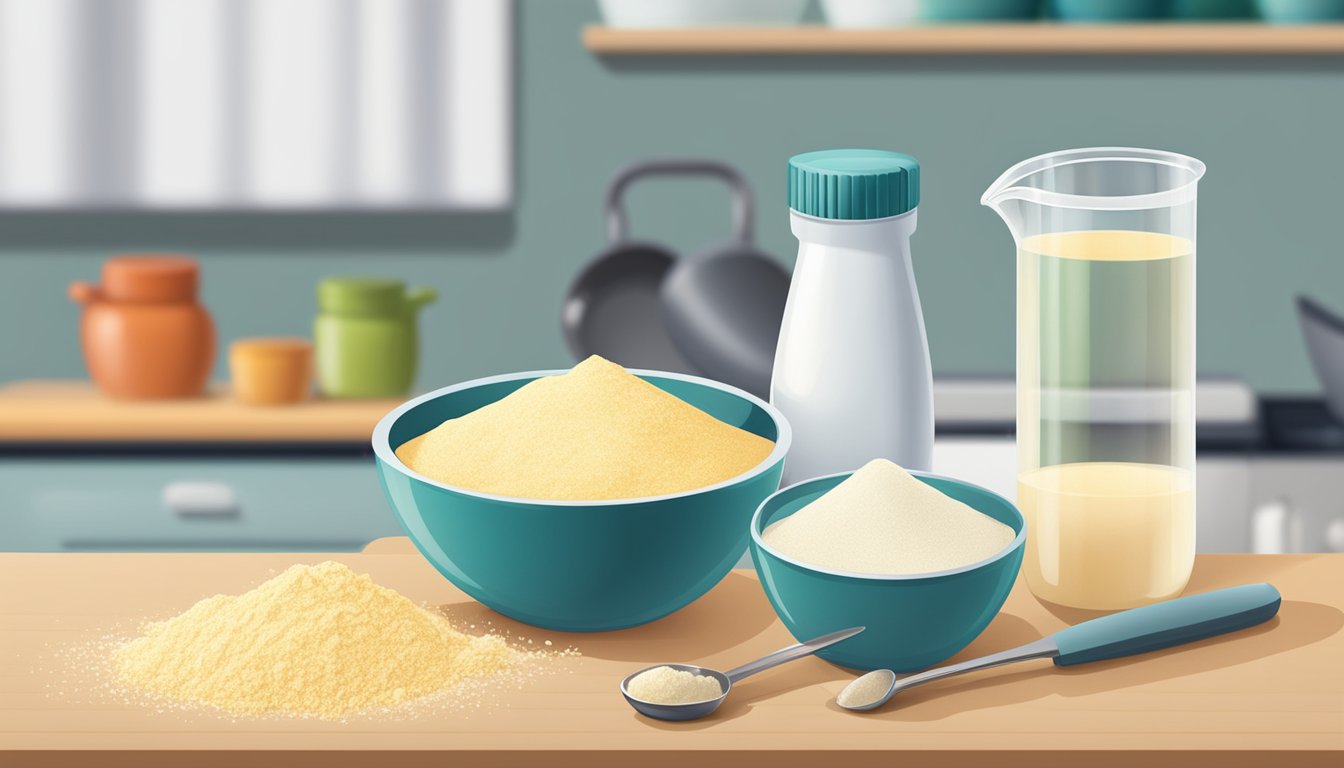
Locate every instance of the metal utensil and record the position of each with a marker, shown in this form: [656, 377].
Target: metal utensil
[1138, 630]
[700, 709]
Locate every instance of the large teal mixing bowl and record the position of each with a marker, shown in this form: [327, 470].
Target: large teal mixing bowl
[913, 622]
[579, 566]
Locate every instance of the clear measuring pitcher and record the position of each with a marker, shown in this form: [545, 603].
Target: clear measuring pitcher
[1105, 371]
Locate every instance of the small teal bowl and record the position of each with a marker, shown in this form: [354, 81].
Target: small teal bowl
[579, 566]
[1301, 11]
[980, 10]
[1213, 9]
[913, 622]
[1089, 11]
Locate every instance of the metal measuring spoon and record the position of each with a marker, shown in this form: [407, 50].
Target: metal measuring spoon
[698, 709]
[1138, 630]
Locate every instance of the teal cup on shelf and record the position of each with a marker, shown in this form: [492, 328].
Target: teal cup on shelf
[1213, 9]
[1091, 11]
[979, 10]
[579, 566]
[1301, 11]
[913, 622]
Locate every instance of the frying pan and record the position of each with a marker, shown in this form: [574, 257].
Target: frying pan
[612, 309]
[716, 313]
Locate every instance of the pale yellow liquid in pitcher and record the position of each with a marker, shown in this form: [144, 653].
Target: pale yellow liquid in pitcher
[1106, 310]
[1107, 536]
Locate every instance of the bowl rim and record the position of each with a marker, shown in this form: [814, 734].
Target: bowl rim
[382, 444]
[1012, 546]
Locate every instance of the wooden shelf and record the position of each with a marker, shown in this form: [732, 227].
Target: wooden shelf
[74, 412]
[1041, 38]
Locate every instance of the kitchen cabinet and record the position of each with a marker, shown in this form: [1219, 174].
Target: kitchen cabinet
[80, 472]
[306, 501]
[1222, 502]
[1297, 504]
[193, 503]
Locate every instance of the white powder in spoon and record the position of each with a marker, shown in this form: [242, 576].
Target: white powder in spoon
[866, 690]
[884, 521]
[665, 685]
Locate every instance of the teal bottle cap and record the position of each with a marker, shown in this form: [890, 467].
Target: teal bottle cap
[853, 184]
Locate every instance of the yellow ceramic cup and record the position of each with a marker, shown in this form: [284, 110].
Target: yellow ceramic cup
[272, 371]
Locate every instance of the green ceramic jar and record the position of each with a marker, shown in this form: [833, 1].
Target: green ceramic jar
[365, 336]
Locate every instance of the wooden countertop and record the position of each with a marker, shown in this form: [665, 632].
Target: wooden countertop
[1270, 695]
[74, 411]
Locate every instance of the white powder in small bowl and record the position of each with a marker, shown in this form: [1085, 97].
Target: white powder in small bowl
[884, 521]
[665, 685]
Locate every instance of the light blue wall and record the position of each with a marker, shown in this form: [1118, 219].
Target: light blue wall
[1271, 210]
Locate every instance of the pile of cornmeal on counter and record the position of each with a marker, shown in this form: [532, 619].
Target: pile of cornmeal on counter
[595, 433]
[315, 641]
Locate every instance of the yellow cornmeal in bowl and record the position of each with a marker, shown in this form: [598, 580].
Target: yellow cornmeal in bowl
[315, 641]
[595, 433]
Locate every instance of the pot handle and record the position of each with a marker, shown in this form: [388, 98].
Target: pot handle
[419, 296]
[84, 293]
[617, 227]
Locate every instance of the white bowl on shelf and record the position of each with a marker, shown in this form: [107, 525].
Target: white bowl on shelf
[670, 14]
[867, 14]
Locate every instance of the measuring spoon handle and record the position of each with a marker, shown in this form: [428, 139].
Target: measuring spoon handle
[785, 655]
[1162, 625]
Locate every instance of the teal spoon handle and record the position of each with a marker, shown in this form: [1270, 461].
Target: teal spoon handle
[1139, 630]
[1162, 625]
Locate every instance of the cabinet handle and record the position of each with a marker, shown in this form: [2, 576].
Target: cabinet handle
[200, 499]
[1334, 535]
[1276, 529]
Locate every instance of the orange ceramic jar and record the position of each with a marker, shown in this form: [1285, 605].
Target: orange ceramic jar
[143, 332]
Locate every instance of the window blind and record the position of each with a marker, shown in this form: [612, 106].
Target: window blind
[269, 104]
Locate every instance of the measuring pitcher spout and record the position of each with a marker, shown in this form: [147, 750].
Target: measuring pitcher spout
[1007, 199]
[1096, 188]
[1105, 371]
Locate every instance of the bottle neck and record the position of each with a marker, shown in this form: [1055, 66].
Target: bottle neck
[877, 235]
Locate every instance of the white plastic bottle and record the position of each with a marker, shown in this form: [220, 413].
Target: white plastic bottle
[852, 371]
